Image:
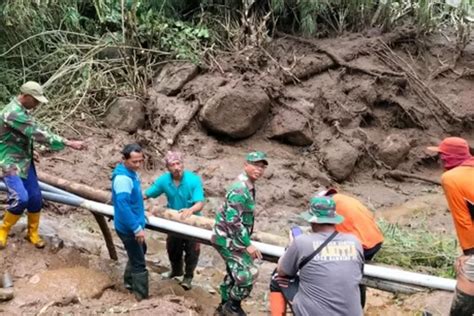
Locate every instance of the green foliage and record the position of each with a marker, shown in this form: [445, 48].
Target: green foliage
[418, 249]
[88, 52]
[69, 41]
[336, 16]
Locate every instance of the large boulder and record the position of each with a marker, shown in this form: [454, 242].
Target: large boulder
[173, 77]
[291, 127]
[236, 112]
[340, 159]
[127, 114]
[165, 112]
[394, 149]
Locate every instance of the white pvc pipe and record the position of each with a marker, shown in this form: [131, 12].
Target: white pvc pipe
[273, 252]
[270, 252]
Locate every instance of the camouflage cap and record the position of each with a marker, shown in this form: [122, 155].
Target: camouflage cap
[322, 210]
[35, 90]
[255, 156]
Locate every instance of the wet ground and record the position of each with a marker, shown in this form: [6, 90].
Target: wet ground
[74, 275]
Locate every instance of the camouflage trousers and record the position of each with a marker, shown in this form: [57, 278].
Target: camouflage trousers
[241, 274]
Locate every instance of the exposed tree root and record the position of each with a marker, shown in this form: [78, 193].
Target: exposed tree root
[338, 61]
[401, 176]
[441, 112]
[184, 123]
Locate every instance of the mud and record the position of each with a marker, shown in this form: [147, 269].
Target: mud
[340, 105]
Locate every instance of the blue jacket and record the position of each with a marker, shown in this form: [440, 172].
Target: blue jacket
[129, 209]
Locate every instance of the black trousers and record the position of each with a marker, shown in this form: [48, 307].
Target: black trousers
[175, 247]
[462, 305]
[368, 255]
[135, 251]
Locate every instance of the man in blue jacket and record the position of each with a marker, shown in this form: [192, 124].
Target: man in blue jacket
[185, 194]
[129, 218]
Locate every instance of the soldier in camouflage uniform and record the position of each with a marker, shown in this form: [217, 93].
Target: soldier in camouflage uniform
[232, 231]
[18, 131]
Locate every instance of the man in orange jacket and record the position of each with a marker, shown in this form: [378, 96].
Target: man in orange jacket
[458, 186]
[358, 220]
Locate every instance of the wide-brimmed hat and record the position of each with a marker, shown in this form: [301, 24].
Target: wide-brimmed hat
[322, 210]
[255, 156]
[326, 192]
[35, 90]
[452, 146]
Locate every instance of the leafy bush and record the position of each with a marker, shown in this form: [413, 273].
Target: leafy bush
[88, 52]
[420, 250]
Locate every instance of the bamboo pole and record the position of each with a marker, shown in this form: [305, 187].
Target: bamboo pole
[102, 196]
[100, 219]
[208, 223]
[82, 190]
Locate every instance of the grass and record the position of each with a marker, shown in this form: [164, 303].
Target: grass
[338, 16]
[420, 249]
[86, 56]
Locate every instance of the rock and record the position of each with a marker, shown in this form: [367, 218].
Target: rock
[173, 77]
[291, 127]
[6, 294]
[61, 285]
[203, 87]
[238, 112]
[394, 149]
[312, 172]
[126, 114]
[166, 112]
[340, 159]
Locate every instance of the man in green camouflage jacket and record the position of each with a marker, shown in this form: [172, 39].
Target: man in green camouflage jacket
[232, 231]
[18, 131]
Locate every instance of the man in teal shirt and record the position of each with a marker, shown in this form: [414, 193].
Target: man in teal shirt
[185, 194]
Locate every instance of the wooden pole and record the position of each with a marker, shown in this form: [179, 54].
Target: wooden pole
[208, 223]
[87, 192]
[82, 190]
[102, 196]
[109, 241]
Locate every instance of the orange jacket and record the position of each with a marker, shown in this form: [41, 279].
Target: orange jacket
[358, 220]
[458, 186]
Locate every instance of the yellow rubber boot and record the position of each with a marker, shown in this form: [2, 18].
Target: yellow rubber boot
[9, 219]
[33, 226]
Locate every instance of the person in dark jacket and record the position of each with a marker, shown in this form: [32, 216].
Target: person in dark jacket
[129, 218]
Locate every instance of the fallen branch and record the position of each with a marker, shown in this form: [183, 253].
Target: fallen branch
[338, 61]
[285, 70]
[401, 176]
[424, 93]
[466, 73]
[82, 190]
[89, 193]
[182, 125]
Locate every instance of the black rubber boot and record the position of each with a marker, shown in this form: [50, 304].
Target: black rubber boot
[127, 276]
[176, 271]
[140, 285]
[219, 310]
[233, 308]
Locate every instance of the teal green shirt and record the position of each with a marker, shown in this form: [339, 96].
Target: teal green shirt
[189, 192]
